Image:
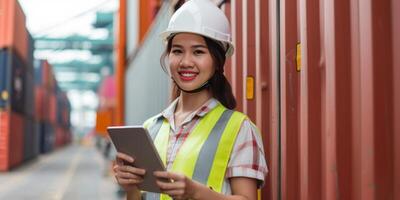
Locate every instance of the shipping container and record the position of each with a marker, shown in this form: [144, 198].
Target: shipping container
[41, 103]
[320, 79]
[30, 97]
[46, 137]
[52, 106]
[12, 81]
[37, 66]
[31, 139]
[30, 53]
[44, 75]
[146, 96]
[11, 139]
[13, 33]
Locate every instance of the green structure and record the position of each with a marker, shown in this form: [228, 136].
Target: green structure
[84, 71]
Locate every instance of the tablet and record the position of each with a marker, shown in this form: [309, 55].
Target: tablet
[136, 142]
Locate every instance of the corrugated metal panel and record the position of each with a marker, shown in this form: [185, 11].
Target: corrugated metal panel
[334, 119]
[147, 96]
[396, 83]
[253, 58]
[11, 139]
[13, 33]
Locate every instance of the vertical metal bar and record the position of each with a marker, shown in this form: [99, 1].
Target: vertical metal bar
[226, 7]
[356, 99]
[274, 105]
[367, 101]
[383, 106]
[289, 93]
[121, 62]
[244, 54]
[234, 40]
[251, 61]
[396, 89]
[239, 56]
[311, 99]
[258, 85]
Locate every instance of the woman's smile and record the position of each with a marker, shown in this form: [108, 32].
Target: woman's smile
[185, 75]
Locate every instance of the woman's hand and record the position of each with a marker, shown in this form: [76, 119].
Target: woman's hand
[180, 187]
[128, 177]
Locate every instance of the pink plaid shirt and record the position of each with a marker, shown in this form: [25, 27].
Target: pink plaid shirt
[247, 158]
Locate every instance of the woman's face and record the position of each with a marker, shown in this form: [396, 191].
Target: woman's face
[190, 61]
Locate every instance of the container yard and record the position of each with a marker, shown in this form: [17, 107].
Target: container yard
[319, 79]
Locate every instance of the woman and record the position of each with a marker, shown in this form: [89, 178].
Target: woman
[210, 151]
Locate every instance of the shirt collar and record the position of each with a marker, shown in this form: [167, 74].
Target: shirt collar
[168, 113]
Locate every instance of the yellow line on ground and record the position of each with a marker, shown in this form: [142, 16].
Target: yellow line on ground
[66, 179]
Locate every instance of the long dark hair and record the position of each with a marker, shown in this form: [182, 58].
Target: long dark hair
[219, 86]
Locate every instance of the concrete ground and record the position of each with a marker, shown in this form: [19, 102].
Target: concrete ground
[70, 173]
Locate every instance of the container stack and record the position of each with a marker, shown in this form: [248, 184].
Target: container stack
[26, 127]
[14, 63]
[52, 109]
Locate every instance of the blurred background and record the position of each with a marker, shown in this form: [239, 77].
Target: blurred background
[320, 78]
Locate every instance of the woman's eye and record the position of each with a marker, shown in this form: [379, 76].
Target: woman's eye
[198, 52]
[176, 51]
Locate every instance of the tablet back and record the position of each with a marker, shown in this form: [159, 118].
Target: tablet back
[136, 142]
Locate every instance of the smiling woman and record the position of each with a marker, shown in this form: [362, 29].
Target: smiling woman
[210, 151]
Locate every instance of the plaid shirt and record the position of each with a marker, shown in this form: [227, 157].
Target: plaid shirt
[247, 158]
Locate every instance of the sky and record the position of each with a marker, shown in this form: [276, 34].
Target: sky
[58, 17]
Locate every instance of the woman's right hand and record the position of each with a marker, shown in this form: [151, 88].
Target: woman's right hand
[128, 177]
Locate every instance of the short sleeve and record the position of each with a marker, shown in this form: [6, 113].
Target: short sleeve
[247, 157]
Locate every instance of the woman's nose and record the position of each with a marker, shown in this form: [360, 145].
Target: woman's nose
[186, 61]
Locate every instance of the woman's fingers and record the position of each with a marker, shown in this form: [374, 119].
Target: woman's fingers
[124, 157]
[128, 175]
[126, 181]
[129, 169]
[169, 175]
[170, 185]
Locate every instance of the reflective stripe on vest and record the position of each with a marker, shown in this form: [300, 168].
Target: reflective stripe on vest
[210, 143]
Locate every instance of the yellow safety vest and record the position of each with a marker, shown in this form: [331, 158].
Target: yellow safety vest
[205, 154]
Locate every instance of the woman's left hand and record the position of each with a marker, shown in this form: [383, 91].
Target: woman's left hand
[180, 187]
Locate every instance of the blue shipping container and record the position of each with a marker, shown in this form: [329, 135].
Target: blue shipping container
[38, 67]
[29, 95]
[31, 139]
[12, 81]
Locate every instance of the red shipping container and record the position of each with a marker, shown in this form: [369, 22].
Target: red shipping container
[13, 31]
[11, 139]
[52, 108]
[48, 78]
[41, 103]
[326, 82]
[39, 95]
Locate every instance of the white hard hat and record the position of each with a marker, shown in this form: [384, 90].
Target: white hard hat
[204, 18]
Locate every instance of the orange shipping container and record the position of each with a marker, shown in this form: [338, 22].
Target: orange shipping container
[103, 119]
[11, 139]
[13, 31]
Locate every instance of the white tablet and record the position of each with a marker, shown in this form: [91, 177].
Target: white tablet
[136, 142]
